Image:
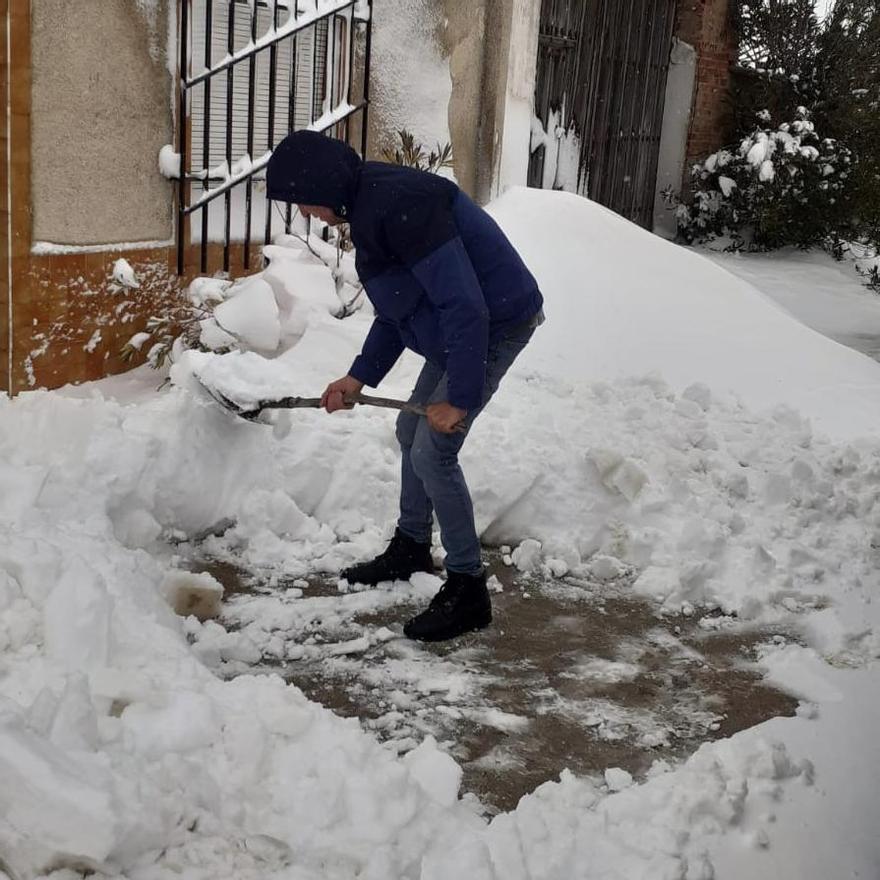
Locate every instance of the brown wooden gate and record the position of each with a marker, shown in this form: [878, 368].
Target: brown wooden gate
[601, 83]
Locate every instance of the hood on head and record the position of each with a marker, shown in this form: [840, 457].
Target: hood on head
[308, 168]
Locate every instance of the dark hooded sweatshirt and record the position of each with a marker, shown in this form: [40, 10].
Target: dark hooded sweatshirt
[441, 275]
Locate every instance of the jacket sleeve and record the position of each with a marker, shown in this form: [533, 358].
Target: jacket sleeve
[434, 252]
[382, 347]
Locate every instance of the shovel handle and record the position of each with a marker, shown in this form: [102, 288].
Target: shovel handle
[362, 399]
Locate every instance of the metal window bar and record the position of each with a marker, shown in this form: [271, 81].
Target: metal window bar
[270, 123]
[227, 196]
[206, 127]
[291, 111]
[328, 29]
[248, 186]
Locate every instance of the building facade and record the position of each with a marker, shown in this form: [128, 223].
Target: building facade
[609, 98]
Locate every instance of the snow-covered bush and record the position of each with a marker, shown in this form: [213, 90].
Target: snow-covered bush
[782, 185]
[261, 312]
[791, 56]
[177, 328]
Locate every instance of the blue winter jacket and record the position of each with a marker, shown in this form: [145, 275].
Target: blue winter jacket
[441, 275]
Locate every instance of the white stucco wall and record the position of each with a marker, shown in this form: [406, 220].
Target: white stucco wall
[519, 98]
[674, 135]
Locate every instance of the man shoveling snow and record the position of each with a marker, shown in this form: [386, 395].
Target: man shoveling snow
[446, 283]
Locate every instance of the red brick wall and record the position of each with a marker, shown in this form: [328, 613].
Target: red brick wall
[71, 319]
[706, 25]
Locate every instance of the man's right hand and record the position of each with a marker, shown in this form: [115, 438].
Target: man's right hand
[334, 396]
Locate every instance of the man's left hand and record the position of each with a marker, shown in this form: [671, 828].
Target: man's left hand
[444, 417]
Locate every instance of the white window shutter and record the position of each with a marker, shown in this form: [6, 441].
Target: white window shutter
[310, 48]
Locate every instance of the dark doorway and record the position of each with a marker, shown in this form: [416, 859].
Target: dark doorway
[599, 95]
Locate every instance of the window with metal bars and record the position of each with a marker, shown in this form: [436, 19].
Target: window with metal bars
[250, 72]
[307, 56]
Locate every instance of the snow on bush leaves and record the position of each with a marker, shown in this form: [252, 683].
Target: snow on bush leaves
[779, 186]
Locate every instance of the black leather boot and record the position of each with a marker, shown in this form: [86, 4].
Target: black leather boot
[400, 560]
[462, 605]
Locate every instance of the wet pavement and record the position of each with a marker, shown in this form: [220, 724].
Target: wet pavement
[573, 674]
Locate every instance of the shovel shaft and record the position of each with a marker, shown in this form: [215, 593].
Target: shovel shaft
[362, 399]
[253, 415]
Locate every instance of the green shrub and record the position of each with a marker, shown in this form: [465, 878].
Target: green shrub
[789, 58]
[779, 186]
[413, 154]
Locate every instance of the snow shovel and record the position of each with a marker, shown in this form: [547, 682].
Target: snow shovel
[253, 414]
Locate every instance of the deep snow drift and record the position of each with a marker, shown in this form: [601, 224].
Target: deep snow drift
[828, 295]
[660, 418]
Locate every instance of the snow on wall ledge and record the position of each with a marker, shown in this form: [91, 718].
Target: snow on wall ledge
[120, 752]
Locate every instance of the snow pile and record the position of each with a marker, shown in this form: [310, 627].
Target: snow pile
[637, 833]
[120, 751]
[711, 503]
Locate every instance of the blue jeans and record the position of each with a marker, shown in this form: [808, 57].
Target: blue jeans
[431, 477]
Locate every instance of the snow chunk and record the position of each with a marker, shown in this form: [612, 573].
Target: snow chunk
[124, 274]
[137, 341]
[557, 567]
[606, 568]
[617, 779]
[493, 585]
[759, 151]
[436, 772]
[77, 618]
[618, 474]
[699, 394]
[353, 646]
[657, 582]
[191, 593]
[252, 316]
[56, 808]
[185, 722]
[206, 292]
[169, 162]
[527, 556]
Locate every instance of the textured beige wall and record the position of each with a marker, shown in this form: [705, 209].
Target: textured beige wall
[101, 110]
[456, 29]
[464, 41]
[496, 64]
